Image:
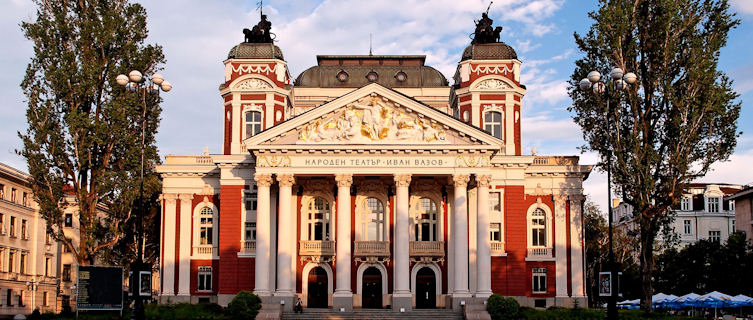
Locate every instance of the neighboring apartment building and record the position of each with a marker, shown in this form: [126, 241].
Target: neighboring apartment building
[705, 212]
[28, 257]
[743, 206]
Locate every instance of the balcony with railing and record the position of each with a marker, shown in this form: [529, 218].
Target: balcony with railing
[427, 248]
[539, 253]
[316, 248]
[210, 250]
[497, 247]
[249, 246]
[372, 249]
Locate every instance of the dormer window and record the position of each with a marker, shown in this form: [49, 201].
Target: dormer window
[253, 123]
[713, 204]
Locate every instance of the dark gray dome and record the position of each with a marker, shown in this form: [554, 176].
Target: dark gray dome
[247, 50]
[489, 51]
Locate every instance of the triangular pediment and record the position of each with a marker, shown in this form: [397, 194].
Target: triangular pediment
[373, 115]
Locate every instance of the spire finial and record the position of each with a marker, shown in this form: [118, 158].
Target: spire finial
[370, 45]
[489, 7]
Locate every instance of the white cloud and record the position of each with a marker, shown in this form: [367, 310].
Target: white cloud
[743, 6]
[525, 46]
[736, 170]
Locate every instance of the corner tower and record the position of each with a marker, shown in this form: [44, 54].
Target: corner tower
[487, 92]
[256, 91]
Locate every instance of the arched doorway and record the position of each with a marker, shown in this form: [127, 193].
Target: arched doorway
[317, 288]
[426, 289]
[371, 288]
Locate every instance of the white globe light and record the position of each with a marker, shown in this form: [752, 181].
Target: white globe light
[630, 78]
[166, 86]
[594, 76]
[616, 73]
[157, 78]
[584, 84]
[620, 84]
[135, 76]
[599, 88]
[122, 79]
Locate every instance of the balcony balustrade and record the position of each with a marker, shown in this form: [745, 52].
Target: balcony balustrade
[316, 248]
[539, 252]
[249, 246]
[372, 249]
[205, 250]
[427, 248]
[497, 247]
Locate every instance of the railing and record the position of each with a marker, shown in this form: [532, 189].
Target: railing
[552, 161]
[249, 246]
[539, 252]
[316, 248]
[372, 248]
[188, 159]
[498, 247]
[427, 248]
[205, 250]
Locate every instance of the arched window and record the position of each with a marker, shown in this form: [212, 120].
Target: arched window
[538, 228]
[253, 123]
[426, 221]
[372, 220]
[493, 123]
[206, 236]
[318, 220]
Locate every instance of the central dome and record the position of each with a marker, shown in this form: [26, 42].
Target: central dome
[489, 51]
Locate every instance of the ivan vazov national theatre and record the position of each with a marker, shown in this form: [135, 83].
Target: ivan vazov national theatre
[369, 181]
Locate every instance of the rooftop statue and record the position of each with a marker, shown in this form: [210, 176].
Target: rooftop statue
[260, 32]
[484, 32]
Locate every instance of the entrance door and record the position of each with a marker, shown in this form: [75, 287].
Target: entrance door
[372, 288]
[317, 295]
[426, 289]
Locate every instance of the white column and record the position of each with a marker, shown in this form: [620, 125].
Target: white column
[263, 181]
[184, 268]
[560, 246]
[576, 246]
[401, 279]
[343, 296]
[285, 237]
[168, 266]
[483, 248]
[460, 239]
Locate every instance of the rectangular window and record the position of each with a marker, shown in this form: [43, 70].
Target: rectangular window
[205, 230]
[685, 204]
[713, 204]
[68, 220]
[2, 191]
[21, 298]
[22, 264]
[13, 195]
[12, 226]
[687, 225]
[9, 297]
[47, 266]
[47, 238]
[205, 279]
[24, 235]
[539, 280]
[732, 205]
[250, 201]
[250, 232]
[2, 259]
[25, 199]
[45, 299]
[67, 272]
[495, 232]
[2, 223]
[715, 236]
[733, 226]
[11, 260]
[495, 205]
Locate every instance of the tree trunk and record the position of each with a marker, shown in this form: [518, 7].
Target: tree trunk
[647, 266]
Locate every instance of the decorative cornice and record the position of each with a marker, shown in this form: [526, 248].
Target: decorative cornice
[286, 179]
[185, 196]
[344, 179]
[402, 180]
[263, 179]
[483, 180]
[460, 180]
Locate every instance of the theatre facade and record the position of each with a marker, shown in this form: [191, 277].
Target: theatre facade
[371, 182]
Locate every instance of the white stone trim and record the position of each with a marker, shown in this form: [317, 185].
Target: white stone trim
[548, 213]
[305, 276]
[361, 198]
[196, 217]
[362, 268]
[437, 276]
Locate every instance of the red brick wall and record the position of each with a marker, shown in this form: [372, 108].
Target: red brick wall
[499, 275]
[515, 240]
[231, 270]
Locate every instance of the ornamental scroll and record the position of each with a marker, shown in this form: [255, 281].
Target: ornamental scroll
[372, 120]
[471, 161]
[253, 83]
[273, 161]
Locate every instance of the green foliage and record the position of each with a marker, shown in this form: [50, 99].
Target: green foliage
[502, 308]
[679, 118]
[83, 142]
[245, 305]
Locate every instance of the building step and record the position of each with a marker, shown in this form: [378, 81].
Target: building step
[381, 314]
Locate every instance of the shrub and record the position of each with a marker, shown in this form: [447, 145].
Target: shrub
[245, 305]
[502, 308]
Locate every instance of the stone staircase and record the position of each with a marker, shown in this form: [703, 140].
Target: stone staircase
[380, 314]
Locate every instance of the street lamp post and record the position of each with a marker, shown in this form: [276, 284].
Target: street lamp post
[137, 83]
[33, 285]
[620, 81]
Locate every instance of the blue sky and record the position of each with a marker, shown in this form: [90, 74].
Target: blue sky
[196, 36]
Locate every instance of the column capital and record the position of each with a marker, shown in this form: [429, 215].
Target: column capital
[263, 179]
[402, 180]
[285, 179]
[460, 180]
[483, 180]
[185, 196]
[561, 198]
[169, 198]
[344, 179]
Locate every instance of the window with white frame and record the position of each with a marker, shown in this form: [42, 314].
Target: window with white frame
[688, 227]
[206, 226]
[685, 204]
[495, 232]
[715, 236]
[372, 220]
[250, 201]
[496, 217]
[538, 228]
[318, 220]
[253, 123]
[539, 280]
[426, 220]
[713, 203]
[250, 231]
[732, 205]
[733, 225]
[495, 203]
[204, 277]
[493, 123]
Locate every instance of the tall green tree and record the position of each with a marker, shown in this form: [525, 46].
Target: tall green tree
[83, 142]
[676, 121]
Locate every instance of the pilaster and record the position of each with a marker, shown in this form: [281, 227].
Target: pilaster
[576, 247]
[184, 267]
[168, 253]
[560, 247]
